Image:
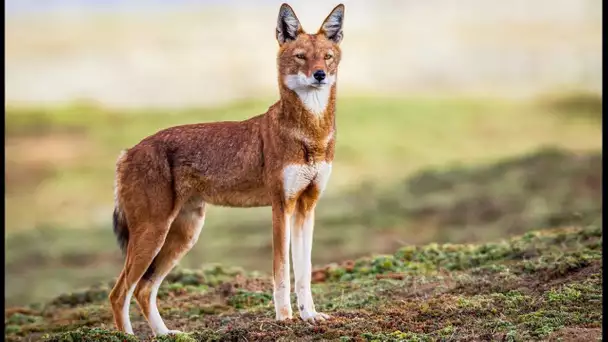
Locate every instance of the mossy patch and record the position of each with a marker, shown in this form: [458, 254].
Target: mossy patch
[90, 334]
[247, 299]
[525, 288]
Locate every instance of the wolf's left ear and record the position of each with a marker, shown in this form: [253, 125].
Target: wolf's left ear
[332, 26]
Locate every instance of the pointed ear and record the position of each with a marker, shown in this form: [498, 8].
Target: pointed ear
[332, 26]
[288, 25]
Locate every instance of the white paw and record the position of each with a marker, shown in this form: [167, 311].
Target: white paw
[283, 314]
[313, 316]
[169, 332]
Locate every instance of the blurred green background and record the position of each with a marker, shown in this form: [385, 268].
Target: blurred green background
[456, 123]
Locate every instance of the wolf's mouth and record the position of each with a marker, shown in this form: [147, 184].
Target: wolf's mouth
[318, 84]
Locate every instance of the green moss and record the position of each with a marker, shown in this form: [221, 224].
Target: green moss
[396, 336]
[91, 334]
[511, 301]
[210, 275]
[474, 303]
[11, 329]
[95, 294]
[22, 319]
[565, 295]
[385, 263]
[435, 257]
[543, 322]
[563, 263]
[246, 299]
[183, 337]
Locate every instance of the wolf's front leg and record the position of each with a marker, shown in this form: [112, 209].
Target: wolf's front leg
[301, 253]
[281, 219]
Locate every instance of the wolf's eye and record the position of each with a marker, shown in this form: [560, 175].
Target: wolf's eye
[300, 56]
[328, 56]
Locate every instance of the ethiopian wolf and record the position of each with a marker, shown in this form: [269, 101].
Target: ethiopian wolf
[282, 158]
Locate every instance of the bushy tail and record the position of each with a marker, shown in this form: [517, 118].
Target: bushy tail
[118, 217]
[120, 229]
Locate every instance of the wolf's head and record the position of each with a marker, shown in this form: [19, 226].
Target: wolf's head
[308, 62]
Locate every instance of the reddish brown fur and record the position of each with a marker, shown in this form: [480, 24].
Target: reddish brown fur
[163, 183]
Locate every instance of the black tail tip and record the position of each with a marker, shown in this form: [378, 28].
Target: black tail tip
[120, 230]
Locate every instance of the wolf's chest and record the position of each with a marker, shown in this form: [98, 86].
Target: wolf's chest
[297, 177]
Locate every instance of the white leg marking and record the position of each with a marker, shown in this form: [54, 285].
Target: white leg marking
[296, 178]
[156, 321]
[282, 286]
[126, 320]
[302, 255]
[314, 97]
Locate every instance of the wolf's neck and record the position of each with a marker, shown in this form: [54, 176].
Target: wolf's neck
[314, 100]
[312, 105]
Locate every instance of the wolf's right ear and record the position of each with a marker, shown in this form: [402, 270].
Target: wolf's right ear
[288, 25]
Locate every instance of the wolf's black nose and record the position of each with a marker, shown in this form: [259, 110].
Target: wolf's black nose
[319, 75]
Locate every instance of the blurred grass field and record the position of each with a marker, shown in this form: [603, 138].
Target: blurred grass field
[60, 168]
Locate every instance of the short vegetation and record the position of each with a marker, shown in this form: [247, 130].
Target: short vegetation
[542, 285]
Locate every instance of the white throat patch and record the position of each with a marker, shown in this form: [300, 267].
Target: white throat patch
[314, 98]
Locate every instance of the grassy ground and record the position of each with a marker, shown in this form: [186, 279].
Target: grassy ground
[543, 285]
[60, 171]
